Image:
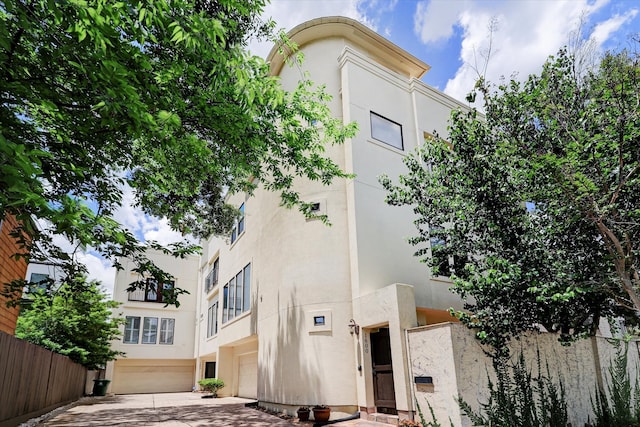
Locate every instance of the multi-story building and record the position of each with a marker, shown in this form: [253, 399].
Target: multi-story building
[293, 312]
[158, 339]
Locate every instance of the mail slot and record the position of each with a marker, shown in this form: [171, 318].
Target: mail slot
[423, 380]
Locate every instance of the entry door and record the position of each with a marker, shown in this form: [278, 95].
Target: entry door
[383, 392]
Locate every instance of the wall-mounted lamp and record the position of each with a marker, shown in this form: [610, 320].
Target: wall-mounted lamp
[354, 327]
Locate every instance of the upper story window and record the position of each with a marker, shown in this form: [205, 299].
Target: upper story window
[152, 292]
[237, 295]
[238, 227]
[387, 131]
[212, 278]
[445, 263]
[212, 317]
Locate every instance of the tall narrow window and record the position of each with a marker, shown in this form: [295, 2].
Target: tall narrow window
[150, 330]
[239, 294]
[225, 304]
[387, 131]
[238, 226]
[232, 298]
[212, 318]
[131, 330]
[167, 327]
[246, 299]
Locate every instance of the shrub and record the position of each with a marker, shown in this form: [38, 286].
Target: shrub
[212, 385]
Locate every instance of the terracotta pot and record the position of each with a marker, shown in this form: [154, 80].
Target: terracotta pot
[321, 414]
[303, 415]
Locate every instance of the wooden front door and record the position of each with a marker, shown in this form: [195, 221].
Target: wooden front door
[383, 392]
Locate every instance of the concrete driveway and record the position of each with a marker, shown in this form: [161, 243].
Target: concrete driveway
[165, 409]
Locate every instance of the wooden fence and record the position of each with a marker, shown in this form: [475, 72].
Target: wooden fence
[34, 380]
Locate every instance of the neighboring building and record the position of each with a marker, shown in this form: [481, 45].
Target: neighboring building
[293, 312]
[158, 340]
[10, 269]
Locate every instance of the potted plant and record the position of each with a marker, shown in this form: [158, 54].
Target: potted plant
[321, 413]
[303, 413]
[212, 385]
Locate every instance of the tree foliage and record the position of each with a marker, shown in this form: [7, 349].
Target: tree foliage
[159, 94]
[75, 320]
[536, 200]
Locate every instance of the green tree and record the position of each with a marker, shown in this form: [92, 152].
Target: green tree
[536, 200]
[159, 94]
[74, 320]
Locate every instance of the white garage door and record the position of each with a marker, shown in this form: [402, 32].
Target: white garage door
[171, 376]
[248, 375]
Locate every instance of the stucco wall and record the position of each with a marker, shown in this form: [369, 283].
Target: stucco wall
[450, 354]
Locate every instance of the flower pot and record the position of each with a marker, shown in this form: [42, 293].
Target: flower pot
[303, 414]
[321, 414]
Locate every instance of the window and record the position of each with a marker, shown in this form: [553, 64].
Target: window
[387, 131]
[439, 253]
[150, 330]
[212, 278]
[237, 295]
[212, 317]
[131, 330]
[154, 293]
[238, 227]
[166, 330]
[444, 263]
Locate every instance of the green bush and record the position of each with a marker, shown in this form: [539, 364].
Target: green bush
[619, 405]
[518, 399]
[212, 385]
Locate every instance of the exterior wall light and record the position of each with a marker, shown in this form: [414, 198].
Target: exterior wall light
[354, 327]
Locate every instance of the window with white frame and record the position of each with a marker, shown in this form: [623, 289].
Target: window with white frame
[212, 278]
[212, 317]
[238, 227]
[387, 131]
[150, 330]
[237, 295]
[167, 327]
[131, 330]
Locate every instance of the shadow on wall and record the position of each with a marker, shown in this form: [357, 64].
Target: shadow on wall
[287, 374]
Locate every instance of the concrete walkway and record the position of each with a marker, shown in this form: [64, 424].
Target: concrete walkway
[164, 409]
[173, 410]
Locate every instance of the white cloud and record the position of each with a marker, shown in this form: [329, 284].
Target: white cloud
[435, 20]
[289, 13]
[604, 30]
[99, 269]
[527, 33]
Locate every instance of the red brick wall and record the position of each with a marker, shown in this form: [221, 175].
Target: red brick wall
[10, 269]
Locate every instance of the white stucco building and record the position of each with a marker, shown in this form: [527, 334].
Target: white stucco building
[158, 340]
[282, 291]
[290, 311]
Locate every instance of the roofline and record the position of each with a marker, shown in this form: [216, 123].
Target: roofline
[380, 49]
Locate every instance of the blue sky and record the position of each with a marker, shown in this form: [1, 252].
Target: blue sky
[452, 35]
[448, 35]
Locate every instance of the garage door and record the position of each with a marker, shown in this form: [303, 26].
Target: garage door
[153, 377]
[248, 376]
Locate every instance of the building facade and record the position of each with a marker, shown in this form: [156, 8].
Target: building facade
[290, 311]
[158, 340]
[293, 312]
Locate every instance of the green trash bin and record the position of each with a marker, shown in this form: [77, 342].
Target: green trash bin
[100, 387]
